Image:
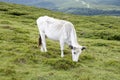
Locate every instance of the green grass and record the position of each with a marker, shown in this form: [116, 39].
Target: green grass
[21, 59]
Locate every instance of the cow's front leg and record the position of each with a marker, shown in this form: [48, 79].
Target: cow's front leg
[62, 48]
[62, 53]
[43, 47]
[42, 50]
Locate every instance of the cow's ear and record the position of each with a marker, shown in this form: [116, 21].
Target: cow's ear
[71, 47]
[83, 48]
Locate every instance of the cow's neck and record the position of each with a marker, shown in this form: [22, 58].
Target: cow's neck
[73, 38]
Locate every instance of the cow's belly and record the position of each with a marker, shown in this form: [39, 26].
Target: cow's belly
[55, 31]
[53, 35]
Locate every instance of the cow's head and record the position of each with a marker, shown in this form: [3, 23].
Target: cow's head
[76, 51]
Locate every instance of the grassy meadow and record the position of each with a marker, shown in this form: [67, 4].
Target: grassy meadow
[21, 59]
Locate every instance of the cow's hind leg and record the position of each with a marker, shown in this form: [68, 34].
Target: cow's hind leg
[43, 47]
[40, 43]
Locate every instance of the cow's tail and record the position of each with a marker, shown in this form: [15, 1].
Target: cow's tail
[39, 41]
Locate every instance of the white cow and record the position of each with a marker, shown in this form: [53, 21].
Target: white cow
[60, 30]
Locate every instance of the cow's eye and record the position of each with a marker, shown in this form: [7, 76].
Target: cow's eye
[74, 52]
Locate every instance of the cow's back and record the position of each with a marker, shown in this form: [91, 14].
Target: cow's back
[54, 28]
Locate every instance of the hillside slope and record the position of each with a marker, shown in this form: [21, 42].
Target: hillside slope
[21, 59]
